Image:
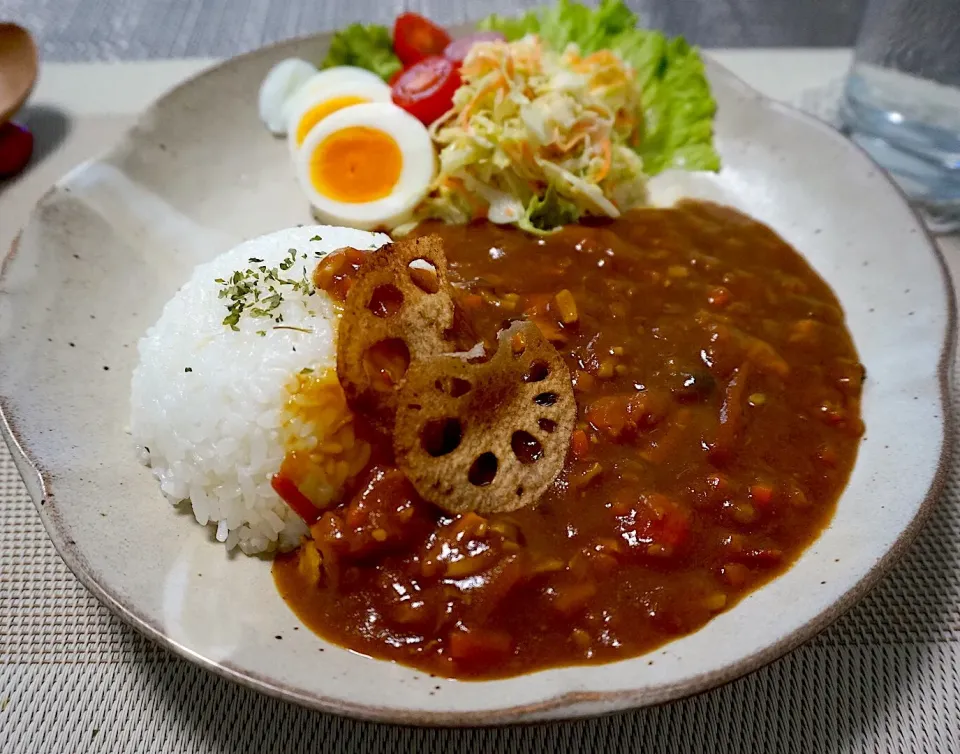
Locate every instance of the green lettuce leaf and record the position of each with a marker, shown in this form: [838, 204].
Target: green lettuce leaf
[366, 46]
[591, 29]
[512, 27]
[565, 22]
[549, 212]
[678, 108]
[678, 111]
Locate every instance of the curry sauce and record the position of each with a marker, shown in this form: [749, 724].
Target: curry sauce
[718, 395]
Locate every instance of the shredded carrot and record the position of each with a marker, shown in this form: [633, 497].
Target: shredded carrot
[603, 57]
[573, 142]
[600, 57]
[497, 83]
[513, 150]
[605, 150]
[477, 59]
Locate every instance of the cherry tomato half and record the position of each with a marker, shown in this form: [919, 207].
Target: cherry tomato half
[16, 146]
[457, 50]
[425, 90]
[416, 38]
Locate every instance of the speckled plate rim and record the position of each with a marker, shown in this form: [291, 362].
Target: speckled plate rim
[39, 487]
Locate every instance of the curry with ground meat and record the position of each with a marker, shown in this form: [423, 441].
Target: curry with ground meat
[718, 396]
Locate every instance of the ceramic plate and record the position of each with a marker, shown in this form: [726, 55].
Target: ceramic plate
[114, 239]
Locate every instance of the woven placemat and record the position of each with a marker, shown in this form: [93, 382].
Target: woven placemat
[884, 678]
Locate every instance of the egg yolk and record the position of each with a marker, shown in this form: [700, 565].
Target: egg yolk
[321, 110]
[355, 165]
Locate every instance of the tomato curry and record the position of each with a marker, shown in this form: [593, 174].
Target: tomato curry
[719, 418]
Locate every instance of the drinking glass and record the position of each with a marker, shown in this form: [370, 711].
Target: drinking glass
[901, 101]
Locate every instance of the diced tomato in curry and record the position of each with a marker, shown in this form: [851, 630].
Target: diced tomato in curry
[719, 397]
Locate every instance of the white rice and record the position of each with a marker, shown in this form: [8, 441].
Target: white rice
[206, 401]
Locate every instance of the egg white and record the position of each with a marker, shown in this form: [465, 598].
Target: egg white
[281, 84]
[416, 173]
[340, 81]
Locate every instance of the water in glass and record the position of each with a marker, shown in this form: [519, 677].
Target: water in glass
[902, 100]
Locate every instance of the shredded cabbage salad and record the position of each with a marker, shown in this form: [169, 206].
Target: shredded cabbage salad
[538, 138]
[567, 118]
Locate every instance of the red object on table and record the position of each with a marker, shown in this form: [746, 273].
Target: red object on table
[16, 146]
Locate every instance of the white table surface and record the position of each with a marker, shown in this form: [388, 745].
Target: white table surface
[885, 678]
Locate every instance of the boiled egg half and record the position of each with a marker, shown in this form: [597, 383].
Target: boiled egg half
[281, 84]
[366, 166]
[325, 93]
